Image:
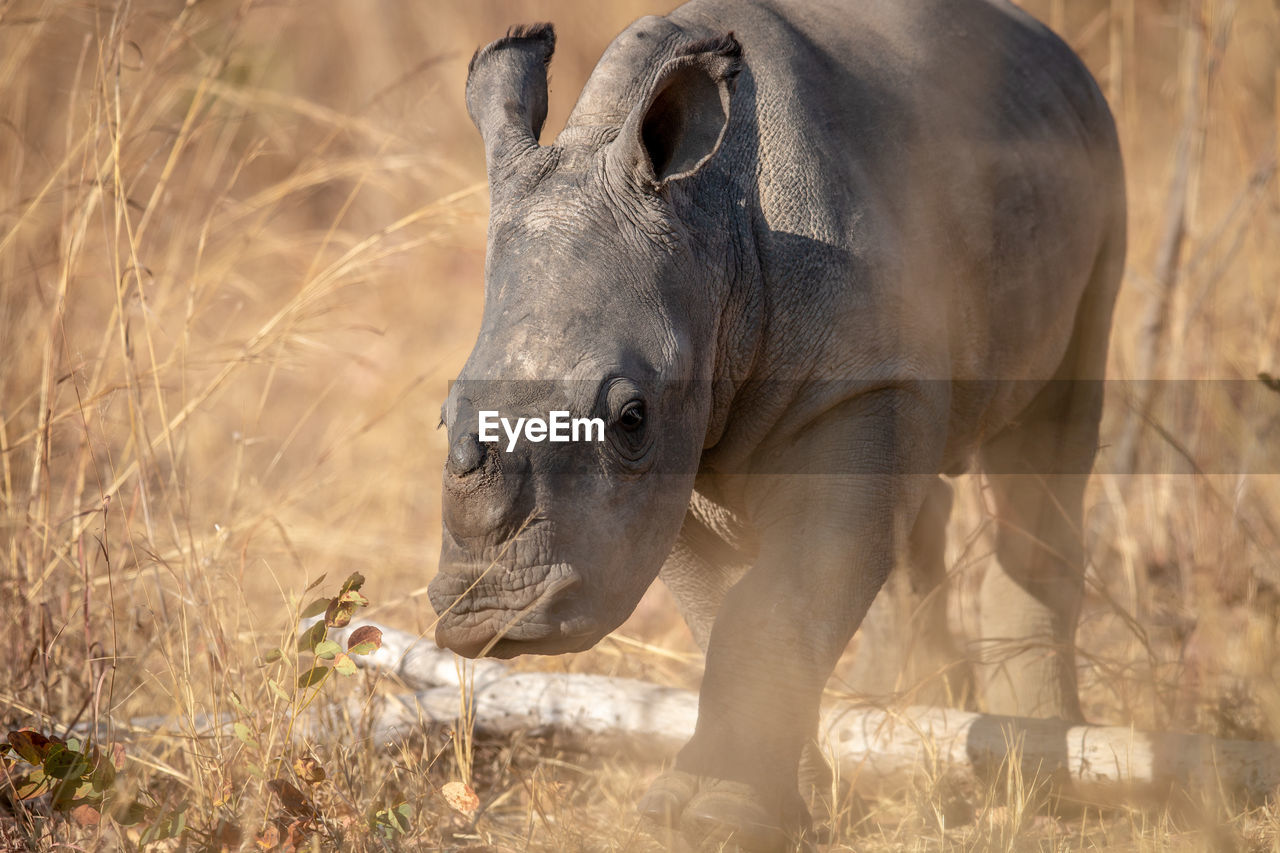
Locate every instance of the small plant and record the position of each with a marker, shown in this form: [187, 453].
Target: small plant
[77, 778]
[391, 822]
[75, 775]
[301, 787]
[328, 656]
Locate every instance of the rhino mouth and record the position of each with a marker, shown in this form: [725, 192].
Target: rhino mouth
[480, 618]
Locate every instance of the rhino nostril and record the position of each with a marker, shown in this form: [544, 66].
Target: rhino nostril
[466, 455]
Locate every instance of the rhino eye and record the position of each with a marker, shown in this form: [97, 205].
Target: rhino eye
[627, 417]
[631, 419]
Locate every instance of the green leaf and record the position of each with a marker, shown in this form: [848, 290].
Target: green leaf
[312, 677]
[133, 813]
[103, 775]
[72, 792]
[278, 690]
[315, 583]
[312, 637]
[327, 650]
[64, 793]
[246, 736]
[63, 763]
[393, 821]
[234, 698]
[315, 608]
[354, 581]
[344, 665]
[272, 656]
[170, 825]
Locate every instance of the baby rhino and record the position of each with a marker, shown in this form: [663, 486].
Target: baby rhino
[797, 259]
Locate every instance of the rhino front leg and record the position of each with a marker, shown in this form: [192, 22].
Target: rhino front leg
[702, 568]
[827, 541]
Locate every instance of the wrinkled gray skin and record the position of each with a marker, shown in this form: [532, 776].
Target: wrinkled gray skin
[842, 251]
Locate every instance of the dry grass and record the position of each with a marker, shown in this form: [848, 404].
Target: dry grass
[240, 254]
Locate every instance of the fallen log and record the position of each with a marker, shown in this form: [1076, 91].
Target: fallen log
[873, 748]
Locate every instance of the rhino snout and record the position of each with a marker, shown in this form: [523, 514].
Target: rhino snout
[536, 610]
[466, 455]
[486, 495]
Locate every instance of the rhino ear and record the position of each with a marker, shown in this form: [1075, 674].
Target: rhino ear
[507, 91]
[679, 123]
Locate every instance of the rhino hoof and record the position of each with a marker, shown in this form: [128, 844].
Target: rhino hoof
[721, 813]
[715, 814]
[667, 796]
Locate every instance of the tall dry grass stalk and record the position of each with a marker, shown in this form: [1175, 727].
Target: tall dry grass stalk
[240, 252]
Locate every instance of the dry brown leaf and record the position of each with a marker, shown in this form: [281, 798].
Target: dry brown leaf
[460, 796]
[269, 838]
[309, 769]
[365, 634]
[226, 836]
[294, 801]
[86, 815]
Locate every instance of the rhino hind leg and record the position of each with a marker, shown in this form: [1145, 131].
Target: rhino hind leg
[1038, 469]
[905, 646]
[1030, 597]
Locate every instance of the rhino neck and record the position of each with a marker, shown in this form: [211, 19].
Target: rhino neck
[740, 330]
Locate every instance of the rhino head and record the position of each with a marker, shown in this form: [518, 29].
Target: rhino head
[605, 277]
